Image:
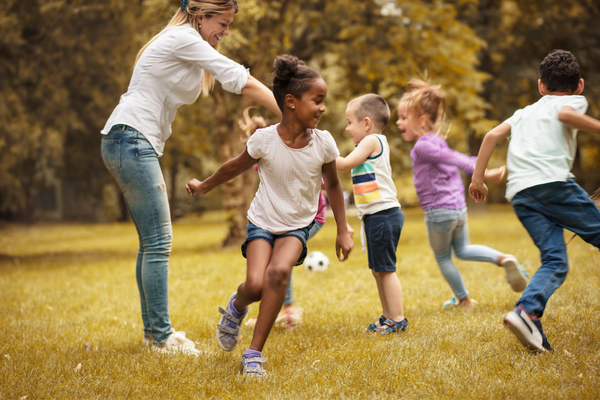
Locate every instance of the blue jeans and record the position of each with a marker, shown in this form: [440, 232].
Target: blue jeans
[544, 210]
[132, 161]
[289, 296]
[448, 229]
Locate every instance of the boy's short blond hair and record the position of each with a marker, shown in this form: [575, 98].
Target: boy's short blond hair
[372, 106]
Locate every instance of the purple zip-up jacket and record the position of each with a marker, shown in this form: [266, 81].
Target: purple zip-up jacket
[435, 173]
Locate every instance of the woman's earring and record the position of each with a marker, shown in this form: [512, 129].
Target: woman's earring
[293, 107]
[199, 26]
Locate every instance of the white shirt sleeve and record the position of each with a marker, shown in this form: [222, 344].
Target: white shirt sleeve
[578, 103]
[332, 151]
[189, 46]
[254, 145]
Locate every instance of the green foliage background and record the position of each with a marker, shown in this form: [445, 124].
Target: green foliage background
[64, 64]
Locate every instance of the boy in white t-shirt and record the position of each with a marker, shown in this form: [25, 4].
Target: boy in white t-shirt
[541, 187]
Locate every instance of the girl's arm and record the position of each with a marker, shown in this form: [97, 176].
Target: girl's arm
[258, 92]
[226, 172]
[365, 148]
[477, 189]
[431, 152]
[335, 194]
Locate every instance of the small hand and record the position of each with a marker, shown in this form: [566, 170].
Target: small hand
[350, 230]
[345, 244]
[494, 174]
[478, 191]
[193, 187]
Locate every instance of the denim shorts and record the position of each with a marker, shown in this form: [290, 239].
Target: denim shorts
[383, 234]
[256, 233]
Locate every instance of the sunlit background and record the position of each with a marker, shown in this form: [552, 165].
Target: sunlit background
[64, 65]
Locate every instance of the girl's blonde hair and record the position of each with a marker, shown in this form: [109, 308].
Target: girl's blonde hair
[423, 99]
[194, 9]
[250, 124]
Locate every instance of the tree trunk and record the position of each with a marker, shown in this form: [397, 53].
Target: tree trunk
[239, 192]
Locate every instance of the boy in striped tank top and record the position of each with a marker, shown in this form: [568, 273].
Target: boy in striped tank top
[378, 207]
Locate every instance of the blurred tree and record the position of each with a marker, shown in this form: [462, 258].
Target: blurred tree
[368, 46]
[64, 64]
[61, 65]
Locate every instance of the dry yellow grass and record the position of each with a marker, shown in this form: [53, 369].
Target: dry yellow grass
[65, 286]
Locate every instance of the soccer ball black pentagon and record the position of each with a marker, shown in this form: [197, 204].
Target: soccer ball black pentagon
[316, 261]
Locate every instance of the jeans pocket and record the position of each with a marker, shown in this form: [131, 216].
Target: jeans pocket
[443, 226]
[111, 153]
[144, 149]
[441, 220]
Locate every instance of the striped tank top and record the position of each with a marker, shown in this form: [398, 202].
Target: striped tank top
[373, 187]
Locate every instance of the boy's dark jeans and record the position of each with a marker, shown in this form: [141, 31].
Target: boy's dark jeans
[544, 210]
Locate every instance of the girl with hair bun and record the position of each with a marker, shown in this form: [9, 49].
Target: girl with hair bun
[441, 191]
[172, 69]
[292, 156]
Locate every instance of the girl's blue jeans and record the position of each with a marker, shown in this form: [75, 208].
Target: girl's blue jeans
[545, 210]
[132, 161]
[289, 296]
[447, 229]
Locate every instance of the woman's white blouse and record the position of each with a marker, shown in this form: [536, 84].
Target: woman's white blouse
[168, 75]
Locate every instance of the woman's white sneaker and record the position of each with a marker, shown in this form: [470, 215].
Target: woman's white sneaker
[178, 343]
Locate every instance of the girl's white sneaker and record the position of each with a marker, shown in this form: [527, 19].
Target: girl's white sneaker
[516, 276]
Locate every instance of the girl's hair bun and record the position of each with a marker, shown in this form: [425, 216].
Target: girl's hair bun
[291, 76]
[285, 67]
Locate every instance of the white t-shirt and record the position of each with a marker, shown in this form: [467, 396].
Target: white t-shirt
[168, 75]
[290, 179]
[541, 148]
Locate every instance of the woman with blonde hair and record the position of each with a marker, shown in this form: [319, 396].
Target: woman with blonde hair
[172, 69]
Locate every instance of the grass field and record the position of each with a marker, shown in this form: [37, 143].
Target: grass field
[71, 327]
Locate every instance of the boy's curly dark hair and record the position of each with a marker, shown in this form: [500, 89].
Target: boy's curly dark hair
[291, 76]
[560, 71]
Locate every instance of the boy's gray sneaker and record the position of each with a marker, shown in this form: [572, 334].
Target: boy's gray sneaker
[228, 328]
[255, 371]
[515, 274]
[529, 332]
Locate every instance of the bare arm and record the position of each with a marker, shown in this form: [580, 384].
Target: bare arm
[226, 172]
[477, 189]
[365, 148]
[572, 118]
[258, 92]
[335, 194]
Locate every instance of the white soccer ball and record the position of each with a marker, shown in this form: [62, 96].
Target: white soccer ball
[316, 261]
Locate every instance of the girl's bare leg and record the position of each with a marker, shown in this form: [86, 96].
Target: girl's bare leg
[286, 252]
[258, 253]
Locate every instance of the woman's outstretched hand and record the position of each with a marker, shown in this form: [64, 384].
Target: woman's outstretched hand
[193, 187]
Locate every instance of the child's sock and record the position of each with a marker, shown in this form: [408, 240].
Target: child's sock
[235, 312]
[252, 353]
[531, 317]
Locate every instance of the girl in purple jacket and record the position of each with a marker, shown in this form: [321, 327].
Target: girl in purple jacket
[441, 191]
